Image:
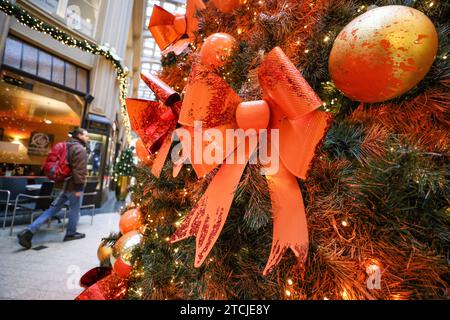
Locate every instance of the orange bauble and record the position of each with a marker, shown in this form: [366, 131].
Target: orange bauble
[226, 6]
[130, 221]
[383, 53]
[141, 151]
[253, 115]
[216, 49]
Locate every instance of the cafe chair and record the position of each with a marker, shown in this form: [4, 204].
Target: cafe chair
[5, 194]
[89, 194]
[38, 203]
[10, 189]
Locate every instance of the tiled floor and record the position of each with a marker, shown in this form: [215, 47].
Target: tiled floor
[52, 273]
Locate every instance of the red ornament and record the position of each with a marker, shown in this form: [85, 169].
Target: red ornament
[130, 221]
[122, 269]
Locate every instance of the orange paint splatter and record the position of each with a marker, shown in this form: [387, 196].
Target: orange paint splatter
[406, 67]
[420, 37]
[354, 32]
[370, 77]
[343, 36]
[402, 49]
[385, 44]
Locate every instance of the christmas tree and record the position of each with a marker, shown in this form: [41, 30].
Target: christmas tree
[125, 165]
[376, 193]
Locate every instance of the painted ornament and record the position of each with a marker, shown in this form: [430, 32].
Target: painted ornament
[383, 53]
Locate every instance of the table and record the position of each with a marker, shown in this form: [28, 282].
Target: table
[34, 187]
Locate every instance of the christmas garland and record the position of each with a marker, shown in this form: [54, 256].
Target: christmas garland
[88, 46]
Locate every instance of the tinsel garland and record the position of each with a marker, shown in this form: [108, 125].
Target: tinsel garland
[88, 46]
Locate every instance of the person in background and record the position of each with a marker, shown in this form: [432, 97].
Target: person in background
[72, 192]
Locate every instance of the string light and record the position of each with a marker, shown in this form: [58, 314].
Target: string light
[345, 295]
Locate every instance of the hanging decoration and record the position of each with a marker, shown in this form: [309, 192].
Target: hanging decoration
[296, 111]
[174, 32]
[88, 46]
[155, 121]
[383, 53]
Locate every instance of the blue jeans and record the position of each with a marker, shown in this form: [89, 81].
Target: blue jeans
[57, 205]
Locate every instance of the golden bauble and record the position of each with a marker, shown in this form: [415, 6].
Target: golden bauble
[124, 247]
[103, 253]
[383, 53]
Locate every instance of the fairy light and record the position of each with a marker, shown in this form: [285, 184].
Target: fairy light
[431, 4]
[326, 39]
[345, 295]
[239, 30]
[307, 51]
[345, 223]
[288, 293]
[290, 282]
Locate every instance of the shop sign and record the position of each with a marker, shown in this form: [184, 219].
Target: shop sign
[40, 144]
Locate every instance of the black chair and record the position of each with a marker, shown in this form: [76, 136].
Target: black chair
[10, 189]
[39, 203]
[89, 194]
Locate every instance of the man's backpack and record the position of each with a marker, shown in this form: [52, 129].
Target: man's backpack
[57, 166]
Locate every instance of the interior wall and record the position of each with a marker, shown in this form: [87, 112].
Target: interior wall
[23, 135]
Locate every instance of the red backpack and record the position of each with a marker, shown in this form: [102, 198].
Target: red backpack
[57, 166]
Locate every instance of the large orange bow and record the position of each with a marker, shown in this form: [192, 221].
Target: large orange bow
[155, 121]
[174, 32]
[294, 110]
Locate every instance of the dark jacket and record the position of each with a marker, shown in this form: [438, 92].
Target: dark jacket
[78, 161]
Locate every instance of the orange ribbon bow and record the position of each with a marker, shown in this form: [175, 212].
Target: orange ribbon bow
[294, 110]
[155, 121]
[174, 32]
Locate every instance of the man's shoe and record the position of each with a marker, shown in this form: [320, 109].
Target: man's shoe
[75, 236]
[25, 238]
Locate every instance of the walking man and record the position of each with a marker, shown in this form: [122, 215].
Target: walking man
[72, 192]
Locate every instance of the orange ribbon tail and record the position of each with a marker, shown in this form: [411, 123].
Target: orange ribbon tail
[207, 219]
[290, 229]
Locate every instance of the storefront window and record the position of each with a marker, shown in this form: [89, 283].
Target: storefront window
[96, 148]
[79, 15]
[33, 117]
